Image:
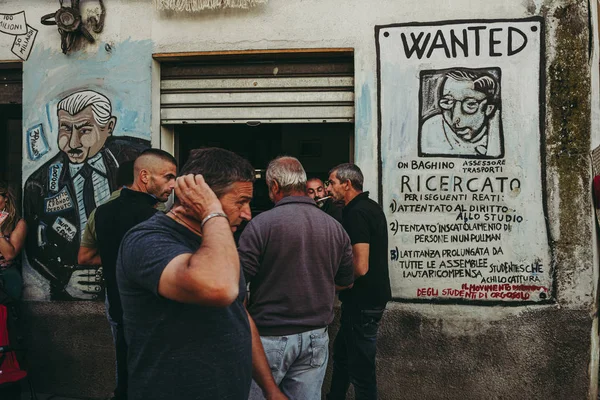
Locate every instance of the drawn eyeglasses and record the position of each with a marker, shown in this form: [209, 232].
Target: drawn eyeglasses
[469, 105]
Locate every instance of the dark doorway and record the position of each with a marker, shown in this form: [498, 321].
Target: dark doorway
[11, 154]
[319, 147]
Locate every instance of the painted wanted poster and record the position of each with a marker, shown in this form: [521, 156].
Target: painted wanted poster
[460, 142]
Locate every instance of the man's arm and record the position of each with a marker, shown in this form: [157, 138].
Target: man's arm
[360, 259]
[344, 277]
[210, 276]
[357, 227]
[250, 249]
[261, 372]
[88, 250]
[88, 256]
[11, 249]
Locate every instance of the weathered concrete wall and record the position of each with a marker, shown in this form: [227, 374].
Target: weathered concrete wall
[425, 350]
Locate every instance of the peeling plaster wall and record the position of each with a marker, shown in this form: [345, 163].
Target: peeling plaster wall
[426, 351]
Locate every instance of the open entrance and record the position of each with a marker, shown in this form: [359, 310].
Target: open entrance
[11, 155]
[262, 105]
[319, 147]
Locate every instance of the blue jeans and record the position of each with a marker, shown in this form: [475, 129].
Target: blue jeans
[298, 363]
[354, 351]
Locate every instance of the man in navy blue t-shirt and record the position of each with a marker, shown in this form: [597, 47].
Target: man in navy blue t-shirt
[182, 292]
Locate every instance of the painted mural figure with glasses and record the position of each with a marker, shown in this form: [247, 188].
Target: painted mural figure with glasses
[354, 348]
[188, 333]
[294, 257]
[466, 121]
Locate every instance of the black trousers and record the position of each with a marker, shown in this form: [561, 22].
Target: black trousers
[354, 351]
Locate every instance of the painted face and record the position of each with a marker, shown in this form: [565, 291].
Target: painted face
[80, 136]
[464, 108]
[335, 188]
[315, 189]
[236, 203]
[162, 180]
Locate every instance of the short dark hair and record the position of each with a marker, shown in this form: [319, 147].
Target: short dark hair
[349, 172]
[125, 173]
[163, 155]
[220, 168]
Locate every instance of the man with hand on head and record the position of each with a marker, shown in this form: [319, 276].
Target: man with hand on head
[294, 257]
[154, 174]
[182, 293]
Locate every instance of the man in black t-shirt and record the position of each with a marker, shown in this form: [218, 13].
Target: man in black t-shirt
[354, 349]
[154, 173]
[182, 292]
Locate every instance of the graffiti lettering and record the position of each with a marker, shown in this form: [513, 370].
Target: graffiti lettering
[466, 42]
[60, 202]
[454, 183]
[64, 228]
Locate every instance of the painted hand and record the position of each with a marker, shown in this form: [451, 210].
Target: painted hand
[85, 283]
[196, 197]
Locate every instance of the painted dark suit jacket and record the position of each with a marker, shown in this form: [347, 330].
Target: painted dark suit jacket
[50, 253]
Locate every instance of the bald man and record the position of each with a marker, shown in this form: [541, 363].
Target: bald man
[154, 173]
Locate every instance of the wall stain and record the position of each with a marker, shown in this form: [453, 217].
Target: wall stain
[568, 134]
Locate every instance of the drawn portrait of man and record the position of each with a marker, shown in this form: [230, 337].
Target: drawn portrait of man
[460, 114]
[60, 195]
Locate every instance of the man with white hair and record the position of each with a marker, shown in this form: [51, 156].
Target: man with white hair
[60, 195]
[294, 257]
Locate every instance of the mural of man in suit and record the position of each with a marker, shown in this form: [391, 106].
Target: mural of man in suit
[60, 195]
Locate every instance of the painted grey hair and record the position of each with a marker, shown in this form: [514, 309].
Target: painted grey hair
[76, 102]
[482, 82]
[288, 173]
[349, 172]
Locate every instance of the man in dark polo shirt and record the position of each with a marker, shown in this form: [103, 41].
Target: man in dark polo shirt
[154, 173]
[354, 348]
[294, 256]
[188, 332]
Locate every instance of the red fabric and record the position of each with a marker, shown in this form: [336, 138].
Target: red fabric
[596, 190]
[9, 369]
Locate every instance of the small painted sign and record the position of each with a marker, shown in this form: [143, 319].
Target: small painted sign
[13, 24]
[37, 145]
[60, 202]
[64, 228]
[54, 172]
[23, 44]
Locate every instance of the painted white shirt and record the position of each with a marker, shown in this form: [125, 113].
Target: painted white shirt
[101, 186]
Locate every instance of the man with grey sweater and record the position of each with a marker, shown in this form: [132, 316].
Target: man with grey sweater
[294, 258]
